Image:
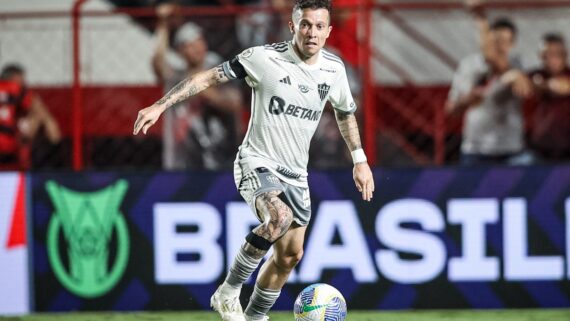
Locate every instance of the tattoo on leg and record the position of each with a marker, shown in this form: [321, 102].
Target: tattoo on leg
[277, 216]
[253, 251]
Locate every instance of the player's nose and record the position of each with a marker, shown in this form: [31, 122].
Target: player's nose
[312, 31]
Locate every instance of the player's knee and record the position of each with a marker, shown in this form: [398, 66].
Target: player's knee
[289, 260]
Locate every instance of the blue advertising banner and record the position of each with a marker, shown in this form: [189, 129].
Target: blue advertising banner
[431, 238]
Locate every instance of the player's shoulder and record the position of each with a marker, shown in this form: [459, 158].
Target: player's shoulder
[279, 47]
[250, 52]
[267, 50]
[332, 59]
[332, 64]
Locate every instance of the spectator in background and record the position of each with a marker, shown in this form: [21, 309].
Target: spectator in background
[22, 115]
[201, 133]
[489, 88]
[551, 133]
[261, 27]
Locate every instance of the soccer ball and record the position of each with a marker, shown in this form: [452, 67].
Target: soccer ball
[320, 302]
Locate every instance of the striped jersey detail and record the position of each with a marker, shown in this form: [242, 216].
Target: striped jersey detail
[330, 56]
[279, 47]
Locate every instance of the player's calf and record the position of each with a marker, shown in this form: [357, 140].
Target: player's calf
[287, 262]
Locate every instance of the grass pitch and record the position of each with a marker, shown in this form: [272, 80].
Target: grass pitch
[455, 315]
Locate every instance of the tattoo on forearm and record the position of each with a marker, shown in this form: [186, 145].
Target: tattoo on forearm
[193, 85]
[181, 91]
[349, 129]
[221, 74]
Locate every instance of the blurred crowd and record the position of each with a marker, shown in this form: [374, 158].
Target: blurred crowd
[489, 90]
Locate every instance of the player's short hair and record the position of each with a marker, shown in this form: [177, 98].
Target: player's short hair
[312, 4]
[504, 23]
[11, 70]
[553, 37]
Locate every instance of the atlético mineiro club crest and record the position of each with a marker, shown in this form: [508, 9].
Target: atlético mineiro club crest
[323, 90]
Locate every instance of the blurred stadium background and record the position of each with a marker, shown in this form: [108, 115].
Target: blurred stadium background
[436, 236]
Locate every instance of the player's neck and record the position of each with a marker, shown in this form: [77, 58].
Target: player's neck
[306, 59]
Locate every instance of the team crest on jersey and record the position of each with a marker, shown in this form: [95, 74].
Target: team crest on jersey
[323, 90]
[247, 53]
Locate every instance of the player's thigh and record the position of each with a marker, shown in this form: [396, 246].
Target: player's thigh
[288, 250]
[259, 183]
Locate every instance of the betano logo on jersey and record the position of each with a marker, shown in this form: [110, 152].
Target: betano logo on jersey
[277, 107]
[89, 222]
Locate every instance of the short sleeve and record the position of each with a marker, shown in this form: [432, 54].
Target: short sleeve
[341, 96]
[463, 79]
[253, 61]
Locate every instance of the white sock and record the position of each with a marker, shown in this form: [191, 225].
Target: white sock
[229, 290]
[261, 302]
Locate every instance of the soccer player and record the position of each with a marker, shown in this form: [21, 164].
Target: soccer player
[291, 83]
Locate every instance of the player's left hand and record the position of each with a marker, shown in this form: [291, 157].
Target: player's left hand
[364, 180]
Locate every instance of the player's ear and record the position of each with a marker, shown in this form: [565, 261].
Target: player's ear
[329, 31]
[291, 27]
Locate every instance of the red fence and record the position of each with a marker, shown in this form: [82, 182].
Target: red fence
[402, 122]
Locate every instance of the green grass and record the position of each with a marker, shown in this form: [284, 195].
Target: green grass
[455, 315]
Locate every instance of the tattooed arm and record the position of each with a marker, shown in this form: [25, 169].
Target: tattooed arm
[348, 129]
[183, 90]
[362, 174]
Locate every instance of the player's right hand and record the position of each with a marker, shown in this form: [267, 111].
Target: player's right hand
[146, 118]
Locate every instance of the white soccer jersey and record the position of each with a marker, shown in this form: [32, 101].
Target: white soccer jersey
[288, 97]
